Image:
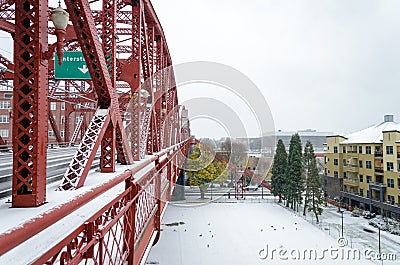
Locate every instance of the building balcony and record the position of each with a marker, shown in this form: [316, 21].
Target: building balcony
[353, 182]
[352, 151]
[377, 186]
[378, 169]
[352, 168]
[378, 154]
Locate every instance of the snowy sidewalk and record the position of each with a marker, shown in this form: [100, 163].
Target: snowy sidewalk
[244, 233]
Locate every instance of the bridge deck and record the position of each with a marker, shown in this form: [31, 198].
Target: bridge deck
[14, 218]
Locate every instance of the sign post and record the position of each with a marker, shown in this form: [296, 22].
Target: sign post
[73, 67]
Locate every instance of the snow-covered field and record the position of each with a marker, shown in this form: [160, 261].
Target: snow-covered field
[250, 232]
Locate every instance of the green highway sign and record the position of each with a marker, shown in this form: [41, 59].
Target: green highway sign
[73, 66]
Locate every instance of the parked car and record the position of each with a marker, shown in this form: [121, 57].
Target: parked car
[368, 215]
[356, 213]
[251, 187]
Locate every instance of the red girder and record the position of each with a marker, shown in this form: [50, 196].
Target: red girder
[7, 26]
[4, 4]
[85, 29]
[8, 73]
[148, 54]
[7, 63]
[80, 15]
[30, 104]
[54, 126]
[107, 158]
[8, 14]
[135, 214]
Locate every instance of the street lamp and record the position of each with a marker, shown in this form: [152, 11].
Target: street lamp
[379, 241]
[341, 211]
[60, 18]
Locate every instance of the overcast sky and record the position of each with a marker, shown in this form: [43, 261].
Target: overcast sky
[330, 65]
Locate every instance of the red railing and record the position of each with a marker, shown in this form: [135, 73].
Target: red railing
[122, 230]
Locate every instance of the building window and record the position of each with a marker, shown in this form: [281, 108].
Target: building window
[360, 164]
[389, 166]
[369, 179]
[4, 133]
[7, 95]
[390, 183]
[53, 105]
[368, 164]
[4, 118]
[344, 149]
[344, 175]
[344, 162]
[368, 150]
[361, 178]
[362, 192]
[5, 104]
[335, 174]
[62, 133]
[389, 150]
[335, 149]
[62, 120]
[77, 119]
[360, 149]
[335, 162]
[62, 106]
[51, 133]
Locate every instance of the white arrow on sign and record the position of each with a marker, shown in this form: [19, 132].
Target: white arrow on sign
[84, 69]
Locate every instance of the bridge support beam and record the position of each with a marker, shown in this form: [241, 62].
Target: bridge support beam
[30, 104]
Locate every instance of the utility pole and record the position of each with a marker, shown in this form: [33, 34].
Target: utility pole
[341, 211]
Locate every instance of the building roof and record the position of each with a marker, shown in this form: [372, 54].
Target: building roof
[373, 134]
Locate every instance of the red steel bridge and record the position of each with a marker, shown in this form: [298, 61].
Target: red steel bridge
[131, 119]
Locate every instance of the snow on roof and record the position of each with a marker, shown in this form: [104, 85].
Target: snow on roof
[373, 134]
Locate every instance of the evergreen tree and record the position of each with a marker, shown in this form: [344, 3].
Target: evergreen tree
[313, 188]
[308, 157]
[278, 170]
[294, 185]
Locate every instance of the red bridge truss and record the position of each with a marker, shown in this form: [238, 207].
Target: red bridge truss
[122, 114]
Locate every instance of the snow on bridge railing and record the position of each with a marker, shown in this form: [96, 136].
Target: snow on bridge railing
[121, 230]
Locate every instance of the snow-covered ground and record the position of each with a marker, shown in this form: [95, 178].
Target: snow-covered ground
[258, 231]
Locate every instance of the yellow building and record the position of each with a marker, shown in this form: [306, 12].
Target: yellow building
[362, 169]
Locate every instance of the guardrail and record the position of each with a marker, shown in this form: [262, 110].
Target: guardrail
[8, 147]
[121, 230]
